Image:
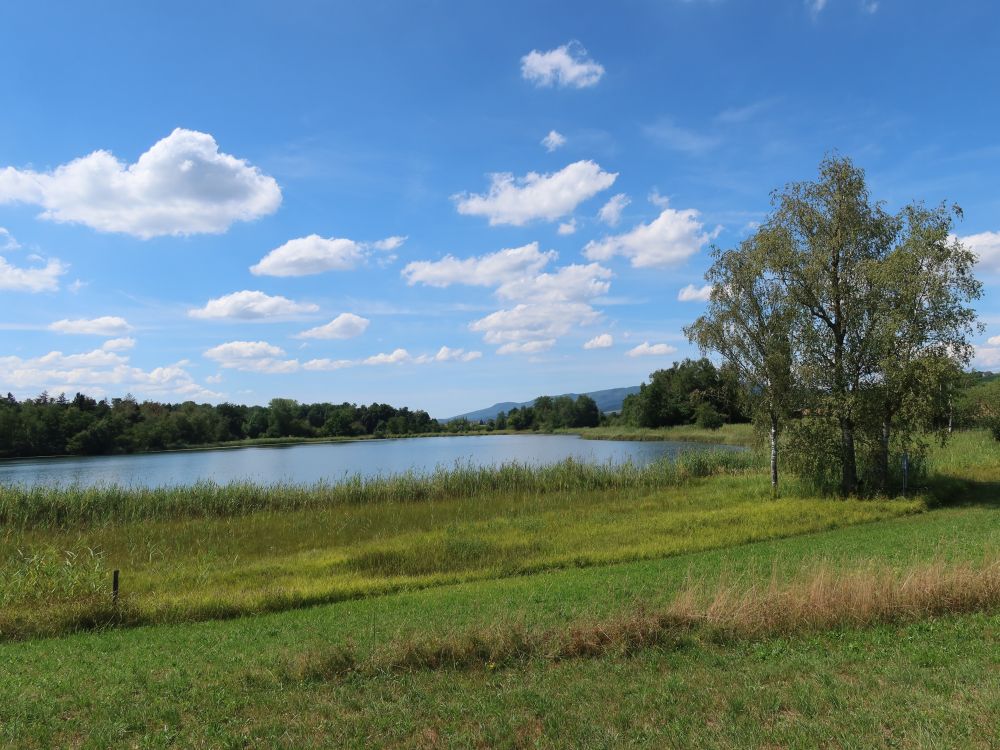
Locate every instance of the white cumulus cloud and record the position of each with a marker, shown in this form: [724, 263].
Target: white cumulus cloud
[344, 326]
[987, 357]
[533, 322]
[31, 279]
[389, 243]
[645, 349]
[564, 66]
[447, 354]
[993, 341]
[519, 200]
[395, 357]
[603, 341]
[567, 227]
[250, 305]
[310, 255]
[484, 270]
[668, 240]
[98, 372]
[106, 325]
[251, 356]
[119, 345]
[986, 246]
[571, 283]
[182, 185]
[692, 293]
[553, 140]
[611, 212]
[545, 305]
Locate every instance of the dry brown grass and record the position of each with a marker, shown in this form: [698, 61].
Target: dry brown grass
[824, 599]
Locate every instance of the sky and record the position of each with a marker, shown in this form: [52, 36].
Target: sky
[443, 204]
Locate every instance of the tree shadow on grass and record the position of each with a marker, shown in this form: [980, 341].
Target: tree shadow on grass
[958, 493]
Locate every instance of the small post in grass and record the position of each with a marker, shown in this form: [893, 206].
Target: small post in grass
[114, 588]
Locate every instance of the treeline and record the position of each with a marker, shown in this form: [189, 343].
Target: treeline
[46, 426]
[689, 392]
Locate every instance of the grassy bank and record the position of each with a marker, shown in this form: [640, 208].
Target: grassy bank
[315, 545]
[728, 434]
[924, 683]
[696, 613]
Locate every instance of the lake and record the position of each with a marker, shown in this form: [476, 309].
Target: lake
[313, 462]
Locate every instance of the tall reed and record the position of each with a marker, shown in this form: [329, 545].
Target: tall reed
[71, 506]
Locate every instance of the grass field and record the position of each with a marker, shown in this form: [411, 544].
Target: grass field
[598, 557]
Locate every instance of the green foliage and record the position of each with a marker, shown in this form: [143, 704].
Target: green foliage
[850, 319]
[47, 426]
[549, 413]
[706, 416]
[980, 405]
[673, 396]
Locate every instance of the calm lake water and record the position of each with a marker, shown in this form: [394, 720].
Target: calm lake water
[308, 463]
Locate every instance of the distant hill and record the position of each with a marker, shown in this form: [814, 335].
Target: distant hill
[607, 400]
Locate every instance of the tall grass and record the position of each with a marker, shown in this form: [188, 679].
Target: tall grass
[52, 589]
[71, 506]
[826, 599]
[730, 434]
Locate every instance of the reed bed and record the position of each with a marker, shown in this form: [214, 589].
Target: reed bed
[63, 507]
[827, 599]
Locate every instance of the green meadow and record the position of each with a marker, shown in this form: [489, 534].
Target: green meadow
[566, 606]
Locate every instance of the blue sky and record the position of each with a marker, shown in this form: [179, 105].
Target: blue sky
[442, 204]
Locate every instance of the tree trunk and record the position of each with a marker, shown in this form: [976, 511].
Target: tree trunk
[848, 458]
[774, 455]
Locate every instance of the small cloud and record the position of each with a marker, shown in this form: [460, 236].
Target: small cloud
[692, 293]
[344, 326]
[526, 347]
[553, 140]
[389, 243]
[76, 286]
[397, 356]
[214, 379]
[600, 342]
[250, 305]
[251, 356]
[107, 325]
[567, 227]
[987, 357]
[668, 240]
[567, 67]
[118, 345]
[310, 255]
[645, 349]
[7, 241]
[993, 341]
[986, 246]
[519, 200]
[611, 212]
[32, 279]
